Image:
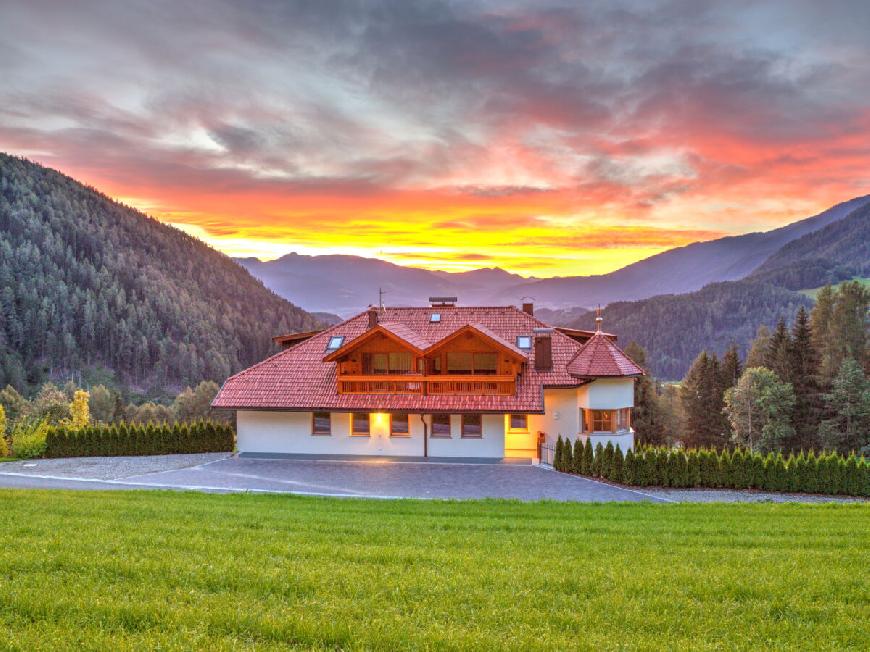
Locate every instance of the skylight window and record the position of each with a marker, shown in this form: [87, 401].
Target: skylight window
[524, 341]
[335, 342]
[435, 317]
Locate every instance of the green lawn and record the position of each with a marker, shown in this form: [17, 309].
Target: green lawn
[144, 570]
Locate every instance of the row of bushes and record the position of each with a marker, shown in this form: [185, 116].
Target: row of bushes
[139, 439]
[826, 473]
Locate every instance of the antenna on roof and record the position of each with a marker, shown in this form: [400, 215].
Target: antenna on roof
[381, 293]
[598, 319]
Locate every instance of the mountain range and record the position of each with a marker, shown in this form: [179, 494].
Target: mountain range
[346, 284]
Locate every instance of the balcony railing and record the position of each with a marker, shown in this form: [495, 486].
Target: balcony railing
[437, 385]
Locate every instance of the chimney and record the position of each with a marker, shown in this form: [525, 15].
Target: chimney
[529, 308]
[373, 317]
[543, 349]
[442, 302]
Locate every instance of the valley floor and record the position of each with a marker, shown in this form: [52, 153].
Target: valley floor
[146, 570]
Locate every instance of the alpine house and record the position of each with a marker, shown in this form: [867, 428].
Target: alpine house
[440, 381]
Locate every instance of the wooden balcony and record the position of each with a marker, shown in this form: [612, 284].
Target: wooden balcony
[434, 385]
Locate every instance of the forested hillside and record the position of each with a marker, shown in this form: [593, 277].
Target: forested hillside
[838, 252]
[87, 282]
[675, 328]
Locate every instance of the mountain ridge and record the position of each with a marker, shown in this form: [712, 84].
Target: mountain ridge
[346, 284]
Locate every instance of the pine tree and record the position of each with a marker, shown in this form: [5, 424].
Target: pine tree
[701, 395]
[777, 357]
[848, 404]
[758, 348]
[647, 418]
[759, 409]
[803, 367]
[731, 367]
[820, 328]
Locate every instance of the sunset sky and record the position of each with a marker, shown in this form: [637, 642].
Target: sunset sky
[546, 138]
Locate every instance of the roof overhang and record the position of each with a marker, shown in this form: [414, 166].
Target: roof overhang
[488, 337]
[380, 329]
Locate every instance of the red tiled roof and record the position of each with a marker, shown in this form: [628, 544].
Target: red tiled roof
[300, 379]
[600, 357]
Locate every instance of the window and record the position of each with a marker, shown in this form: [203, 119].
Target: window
[485, 363]
[360, 424]
[460, 362]
[584, 420]
[400, 425]
[472, 425]
[524, 341]
[335, 342]
[435, 317]
[398, 362]
[602, 420]
[519, 423]
[623, 419]
[440, 425]
[463, 362]
[321, 423]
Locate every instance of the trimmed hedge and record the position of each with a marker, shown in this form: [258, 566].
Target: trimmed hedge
[825, 473]
[139, 439]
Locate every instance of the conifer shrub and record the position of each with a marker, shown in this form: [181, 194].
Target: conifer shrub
[606, 461]
[578, 456]
[780, 474]
[629, 469]
[557, 455]
[616, 466]
[567, 457]
[597, 460]
[851, 476]
[651, 461]
[693, 468]
[588, 457]
[725, 476]
[139, 439]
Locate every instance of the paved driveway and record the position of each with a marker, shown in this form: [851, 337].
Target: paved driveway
[377, 478]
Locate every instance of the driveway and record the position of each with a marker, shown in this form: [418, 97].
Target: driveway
[375, 478]
[354, 477]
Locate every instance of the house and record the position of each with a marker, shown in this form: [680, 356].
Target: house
[438, 381]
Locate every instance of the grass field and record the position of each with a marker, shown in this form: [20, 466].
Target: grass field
[814, 292]
[146, 570]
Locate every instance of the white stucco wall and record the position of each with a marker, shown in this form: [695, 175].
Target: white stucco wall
[290, 433]
[625, 440]
[608, 394]
[561, 417]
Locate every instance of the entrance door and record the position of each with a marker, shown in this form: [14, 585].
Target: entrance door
[519, 440]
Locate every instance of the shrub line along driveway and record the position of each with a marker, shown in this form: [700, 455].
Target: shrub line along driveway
[374, 478]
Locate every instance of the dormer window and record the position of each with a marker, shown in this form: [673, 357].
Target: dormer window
[335, 342]
[524, 342]
[435, 317]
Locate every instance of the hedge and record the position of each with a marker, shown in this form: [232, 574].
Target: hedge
[139, 439]
[824, 473]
